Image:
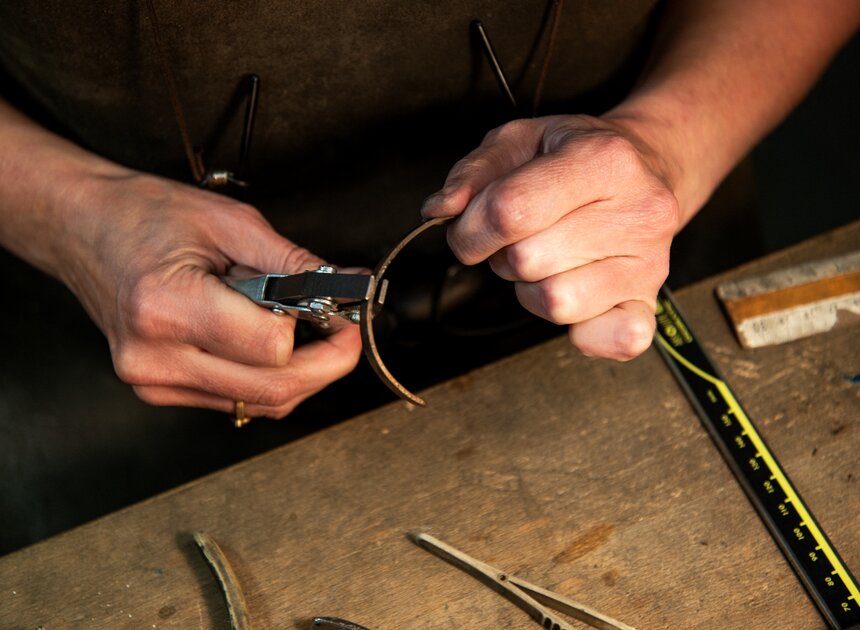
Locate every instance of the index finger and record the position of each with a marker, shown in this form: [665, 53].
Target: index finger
[227, 324]
[502, 150]
[532, 198]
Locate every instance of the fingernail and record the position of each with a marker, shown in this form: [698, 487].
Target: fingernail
[430, 202]
[437, 200]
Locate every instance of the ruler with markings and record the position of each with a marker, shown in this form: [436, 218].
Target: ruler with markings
[830, 584]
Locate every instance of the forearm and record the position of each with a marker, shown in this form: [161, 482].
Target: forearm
[43, 179]
[723, 74]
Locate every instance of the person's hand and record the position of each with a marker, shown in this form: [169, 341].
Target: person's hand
[144, 256]
[575, 210]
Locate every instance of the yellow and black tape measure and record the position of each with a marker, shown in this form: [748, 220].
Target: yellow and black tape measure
[805, 545]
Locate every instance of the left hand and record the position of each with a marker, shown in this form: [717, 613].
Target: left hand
[577, 212]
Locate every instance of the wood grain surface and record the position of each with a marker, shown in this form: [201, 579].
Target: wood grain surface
[590, 478]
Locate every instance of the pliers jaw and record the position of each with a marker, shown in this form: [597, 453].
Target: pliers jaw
[315, 295]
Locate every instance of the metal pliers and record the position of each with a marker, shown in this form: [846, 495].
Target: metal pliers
[316, 295]
[323, 293]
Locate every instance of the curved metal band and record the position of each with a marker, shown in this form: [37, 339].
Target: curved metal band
[367, 338]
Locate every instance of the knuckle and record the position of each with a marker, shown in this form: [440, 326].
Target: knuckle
[512, 129]
[507, 214]
[617, 145]
[632, 338]
[144, 308]
[524, 261]
[663, 211]
[654, 217]
[130, 366]
[274, 393]
[558, 302]
[492, 135]
[622, 157]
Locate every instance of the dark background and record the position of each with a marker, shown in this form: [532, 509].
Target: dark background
[75, 443]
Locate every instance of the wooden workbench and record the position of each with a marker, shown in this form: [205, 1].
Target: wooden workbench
[591, 478]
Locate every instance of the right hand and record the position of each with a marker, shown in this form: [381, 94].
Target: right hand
[144, 256]
[578, 213]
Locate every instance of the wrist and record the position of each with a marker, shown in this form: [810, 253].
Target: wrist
[45, 183]
[75, 219]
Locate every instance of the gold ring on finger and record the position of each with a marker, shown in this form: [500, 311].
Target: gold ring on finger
[239, 418]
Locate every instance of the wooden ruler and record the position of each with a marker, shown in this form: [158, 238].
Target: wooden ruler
[793, 303]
